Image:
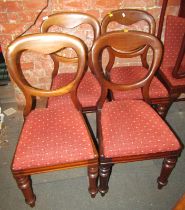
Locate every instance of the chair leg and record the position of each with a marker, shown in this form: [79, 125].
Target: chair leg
[105, 171]
[167, 167]
[93, 180]
[24, 184]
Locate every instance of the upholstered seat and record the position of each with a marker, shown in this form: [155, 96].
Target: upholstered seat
[88, 91]
[131, 127]
[51, 137]
[130, 74]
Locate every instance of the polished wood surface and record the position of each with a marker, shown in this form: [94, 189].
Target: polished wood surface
[126, 42]
[47, 43]
[127, 17]
[176, 74]
[182, 9]
[70, 20]
[161, 19]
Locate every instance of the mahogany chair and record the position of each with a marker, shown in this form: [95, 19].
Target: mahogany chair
[158, 92]
[53, 138]
[131, 130]
[172, 70]
[89, 89]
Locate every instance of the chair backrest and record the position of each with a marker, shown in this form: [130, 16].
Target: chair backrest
[128, 17]
[127, 42]
[174, 33]
[70, 20]
[47, 44]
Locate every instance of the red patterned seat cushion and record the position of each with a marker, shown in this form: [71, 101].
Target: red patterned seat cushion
[175, 30]
[88, 91]
[132, 127]
[130, 74]
[52, 137]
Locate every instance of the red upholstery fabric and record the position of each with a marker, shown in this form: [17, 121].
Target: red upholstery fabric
[132, 127]
[167, 72]
[88, 91]
[130, 74]
[175, 29]
[52, 137]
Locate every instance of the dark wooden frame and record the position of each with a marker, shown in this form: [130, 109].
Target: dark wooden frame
[70, 20]
[132, 16]
[48, 44]
[182, 9]
[129, 41]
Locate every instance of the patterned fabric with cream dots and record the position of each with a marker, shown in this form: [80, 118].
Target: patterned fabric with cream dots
[88, 91]
[132, 127]
[175, 30]
[168, 73]
[128, 75]
[52, 137]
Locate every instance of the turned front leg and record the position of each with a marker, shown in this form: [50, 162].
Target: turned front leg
[93, 180]
[167, 167]
[24, 184]
[105, 171]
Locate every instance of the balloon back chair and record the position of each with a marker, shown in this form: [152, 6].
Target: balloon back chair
[158, 93]
[172, 70]
[53, 138]
[131, 130]
[89, 89]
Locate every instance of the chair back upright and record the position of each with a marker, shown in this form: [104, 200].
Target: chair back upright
[128, 17]
[47, 44]
[128, 42]
[71, 20]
